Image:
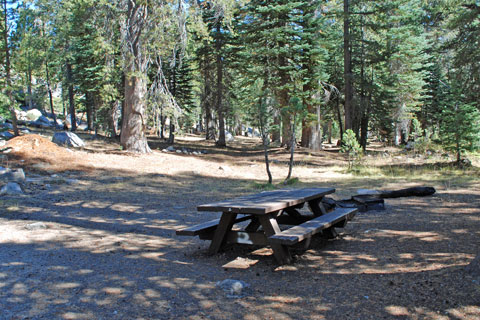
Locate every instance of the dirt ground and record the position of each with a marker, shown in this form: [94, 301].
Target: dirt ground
[106, 247]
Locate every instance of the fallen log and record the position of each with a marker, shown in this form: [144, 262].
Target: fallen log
[366, 202]
[408, 192]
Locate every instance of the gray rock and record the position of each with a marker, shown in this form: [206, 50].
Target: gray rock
[68, 139]
[11, 188]
[6, 125]
[7, 135]
[33, 114]
[16, 175]
[72, 181]
[170, 149]
[36, 226]
[42, 122]
[233, 288]
[229, 137]
[178, 151]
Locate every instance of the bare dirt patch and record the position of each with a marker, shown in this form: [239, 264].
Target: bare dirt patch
[109, 249]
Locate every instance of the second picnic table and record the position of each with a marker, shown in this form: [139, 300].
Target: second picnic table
[264, 212]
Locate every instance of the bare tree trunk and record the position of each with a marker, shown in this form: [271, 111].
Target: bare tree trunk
[8, 79]
[276, 130]
[29, 83]
[221, 120]
[292, 150]
[50, 95]
[348, 75]
[71, 97]
[339, 116]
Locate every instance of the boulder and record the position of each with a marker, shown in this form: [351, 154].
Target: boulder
[68, 139]
[42, 122]
[5, 134]
[21, 115]
[229, 137]
[6, 125]
[33, 114]
[16, 175]
[11, 188]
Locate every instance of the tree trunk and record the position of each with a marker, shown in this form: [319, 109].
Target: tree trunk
[348, 75]
[71, 97]
[11, 106]
[221, 121]
[50, 95]
[312, 132]
[286, 131]
[133, 137]
[89, 104]
[171, 136]
[292, 150]
[339, 116]
[276, 129]
[29, 83]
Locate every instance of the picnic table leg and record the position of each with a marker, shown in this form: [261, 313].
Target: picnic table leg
[317, 208]
[224, 226]
[270, 227]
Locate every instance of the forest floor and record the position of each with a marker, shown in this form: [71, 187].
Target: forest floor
[106, 247]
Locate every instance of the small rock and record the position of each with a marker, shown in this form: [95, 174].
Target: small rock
[224, 168]
[35, 226]
[178, 151]
[72, 181]
[11, 188]
[233, 288]
[2, 143]
[195, 153]
[170, 149]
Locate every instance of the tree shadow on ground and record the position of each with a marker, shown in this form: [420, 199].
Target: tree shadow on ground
[109, 251]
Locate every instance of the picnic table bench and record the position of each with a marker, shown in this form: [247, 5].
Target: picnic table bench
[265, 212]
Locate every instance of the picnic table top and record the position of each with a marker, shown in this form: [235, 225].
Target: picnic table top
[266, 202]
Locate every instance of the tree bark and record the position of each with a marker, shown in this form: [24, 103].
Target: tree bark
[221, 121]
[8, 79]
[347, 61]
[71, 97]
[133, 137]
[50, 95]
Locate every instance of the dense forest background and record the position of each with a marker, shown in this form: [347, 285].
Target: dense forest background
[306, 71]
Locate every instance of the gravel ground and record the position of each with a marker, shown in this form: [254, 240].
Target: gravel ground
[100, 243]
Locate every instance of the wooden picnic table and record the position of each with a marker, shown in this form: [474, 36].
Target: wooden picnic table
[265, 212]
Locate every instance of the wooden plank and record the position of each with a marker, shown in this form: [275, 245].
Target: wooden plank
[270, 227]
[266, 202]
[311, 227]
[225, 225]
[205, 227]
